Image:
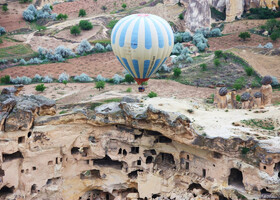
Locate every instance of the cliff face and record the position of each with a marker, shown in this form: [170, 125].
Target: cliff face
[198, 11]
[128, 151]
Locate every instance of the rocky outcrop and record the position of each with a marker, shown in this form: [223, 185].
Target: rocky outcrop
[127, 151]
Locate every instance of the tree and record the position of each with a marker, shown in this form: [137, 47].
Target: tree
[82, 13]
[181, 16]
[123, 5]
[61, 16]
[5, 7]
[40, 87]
[177, 72]
[244, 35]
[128, 78]
[100, 85]
[203, 67]
[271, 25]
[275, 35]
[75, 30]
[104, 8]
[218, 53]
[217, 62]
[6, 79]
[85, 25]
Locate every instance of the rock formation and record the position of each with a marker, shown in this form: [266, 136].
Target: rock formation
[125, 151]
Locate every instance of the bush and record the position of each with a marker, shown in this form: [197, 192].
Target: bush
[244, 35]
[104, 8]
[238, 98]
[203, 67]
[99, 48]
[2, 30]
[83, 78]
[275, 35]
[22, 62]
[108, 48]
[177, 72]
[181, 16]
[164, 68]
[123, 5]
[84, 47]
[275, 82]
[177, 49]
[85, 25]
[100, 85]
[152, 94]
[218, 54]
[216, 32]
[117, 79]
[249, 71]
[239, 83]
[5, 7]
[21, 80]
[30, 13]
[47, 79]
[64, 52]
[37, 78]
[82, 13]
[65, 82]
[200, 41]
[63, 77]
[40, 87]
[217, 62]
[129, 79]
[3, 61]
[34, 61]
[1, 41]
[61, 16]
[75, 30]
[6, 79]
[129, 90]
[189, 60]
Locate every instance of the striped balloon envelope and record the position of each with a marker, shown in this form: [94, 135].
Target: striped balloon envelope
[142, 43]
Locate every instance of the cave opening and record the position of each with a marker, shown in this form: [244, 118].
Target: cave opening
[33, 189]
[29, 134]
[90, 174]
[149, 159]
[75, 150]
[152, 133]
[6, 190]
[97, 194]
[120, 151]
[264, 191]
[138, 136]
[197, 186]
[154, 196]
[235, 178]
[204, 173]
[108, 162]
[163, 139]
[277, 168]
[187, 165]
[124, 152]
[165, 160]
[2, 172]
[8, 157]
[134, 174]
[134, 150]
[91, 139]
[221, 196]
[21, 140]
[217, 155]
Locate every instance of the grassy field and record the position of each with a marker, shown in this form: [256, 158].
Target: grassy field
[17, 51]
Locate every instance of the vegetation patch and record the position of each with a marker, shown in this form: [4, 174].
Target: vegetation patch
[17, 51]
[267, 124]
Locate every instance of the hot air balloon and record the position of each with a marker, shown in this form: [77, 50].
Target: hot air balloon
[142, 43]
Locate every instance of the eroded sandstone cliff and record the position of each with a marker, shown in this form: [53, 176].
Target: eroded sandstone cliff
[127, 150]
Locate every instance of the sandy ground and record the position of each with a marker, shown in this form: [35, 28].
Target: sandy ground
[263, 64]
[84, 92]
[7, 43]
[242, 25]
[105, 64]
[233, 40]
[12, 19]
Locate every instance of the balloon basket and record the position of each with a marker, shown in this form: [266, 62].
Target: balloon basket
[141, 89]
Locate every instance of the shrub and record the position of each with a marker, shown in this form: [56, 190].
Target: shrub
[174, 60]
[218, 54]
[82, 13]
[84, 47]
[65, 82]
[104, 8]
[200, 41]
[244, 35]
[2, 30]
[216, 32]
[5, 7]
[181, 16]
[15, 60]
[118, 79]
[6, 79]
[37, 78]
[239, 83]
[112, 23]
[3, 61]
[21, 80]
[22, 62]
[64, 52]
[100, 85]
[100, 78]
[189, 59]
[75, 30]
[177, 49]
[129, 90]
[99, 48]
[217, 62]
[275, 35]
[61, 16]
[203, 67]
[34, 61]
[268, 46]
[63, 77]
[275, 82]
[1, 41]
[85, 25]
[83, 78]
[152, 94]
[249, 71]
[129, 79]
[164, 68]
[177, 72]
[40, 87]
[123, 5]
[238, 97]
[47, 79]
[30, 13]
[108, 48]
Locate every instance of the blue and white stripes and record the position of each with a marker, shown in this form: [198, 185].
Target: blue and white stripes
[142, 43]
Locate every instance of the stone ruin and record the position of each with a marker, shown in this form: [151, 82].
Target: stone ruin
[224, 99]
[124, 151]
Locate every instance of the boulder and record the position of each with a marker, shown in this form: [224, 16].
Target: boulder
[266, 80]
[223, 91]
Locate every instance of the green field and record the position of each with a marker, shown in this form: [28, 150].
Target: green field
[17, 51]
